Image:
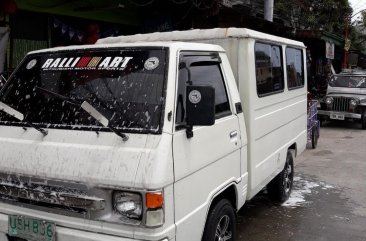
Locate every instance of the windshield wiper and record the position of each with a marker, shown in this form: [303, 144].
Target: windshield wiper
[88, 108]
[16, 114]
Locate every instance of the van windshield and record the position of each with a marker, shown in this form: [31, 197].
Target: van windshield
[126, 85]
[348, 81]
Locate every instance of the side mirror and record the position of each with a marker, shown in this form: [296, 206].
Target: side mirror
[200, 107]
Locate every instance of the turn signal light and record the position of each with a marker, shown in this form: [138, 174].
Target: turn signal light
[154, 200]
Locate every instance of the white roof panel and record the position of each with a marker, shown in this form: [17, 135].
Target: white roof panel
[199, 34]
[175, 45]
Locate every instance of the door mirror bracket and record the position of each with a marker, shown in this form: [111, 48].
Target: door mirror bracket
[189, 132]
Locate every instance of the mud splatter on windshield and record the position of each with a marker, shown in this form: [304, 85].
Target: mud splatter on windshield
[127, 86]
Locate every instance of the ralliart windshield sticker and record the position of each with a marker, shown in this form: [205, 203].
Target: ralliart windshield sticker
[88, 63]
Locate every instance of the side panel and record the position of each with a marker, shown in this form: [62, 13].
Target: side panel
[274, 122]
[275, 127]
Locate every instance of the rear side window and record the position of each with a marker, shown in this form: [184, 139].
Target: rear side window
[202, 71]
[294, 68]
[269, 69]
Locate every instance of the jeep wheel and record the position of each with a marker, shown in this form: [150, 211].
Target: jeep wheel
[314, 137]
[279, 189]
[221, 223]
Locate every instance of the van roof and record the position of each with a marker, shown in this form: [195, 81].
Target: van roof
[199, 34]
[176, 45]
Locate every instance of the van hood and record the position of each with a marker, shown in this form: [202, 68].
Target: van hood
[347, 92]
[96, 159]
[69, 177]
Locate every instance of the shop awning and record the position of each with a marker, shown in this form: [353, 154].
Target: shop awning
[323, 35]
[113, 11]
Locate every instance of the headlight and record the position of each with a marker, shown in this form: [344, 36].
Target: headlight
[128, 204]
[329, 100]
[147, 207]
[353, 103]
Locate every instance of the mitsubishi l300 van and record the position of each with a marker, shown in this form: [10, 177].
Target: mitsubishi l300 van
[159, 140]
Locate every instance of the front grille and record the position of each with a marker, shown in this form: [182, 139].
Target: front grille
[50, 196]
[74, 199]
[341, 104]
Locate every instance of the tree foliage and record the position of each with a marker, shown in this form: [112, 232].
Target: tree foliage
[358, 33]
[328, 15]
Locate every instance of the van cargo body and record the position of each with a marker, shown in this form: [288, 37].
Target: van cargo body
[146, 137]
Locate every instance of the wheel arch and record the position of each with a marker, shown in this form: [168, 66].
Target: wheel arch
[293, 148]
[230, 193]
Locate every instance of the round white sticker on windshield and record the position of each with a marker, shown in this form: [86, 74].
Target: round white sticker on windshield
[151, 63]
[31, 64]
[194, 96]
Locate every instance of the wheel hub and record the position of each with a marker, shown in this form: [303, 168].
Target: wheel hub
[287, 179]
[223, 229]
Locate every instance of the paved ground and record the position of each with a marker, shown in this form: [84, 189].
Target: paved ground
[329, 198]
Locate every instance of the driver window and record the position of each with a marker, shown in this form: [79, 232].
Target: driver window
[205, 73]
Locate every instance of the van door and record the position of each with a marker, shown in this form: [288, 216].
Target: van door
[210, 160]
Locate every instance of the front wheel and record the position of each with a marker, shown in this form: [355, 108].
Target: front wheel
[279, 189]
[221, 223]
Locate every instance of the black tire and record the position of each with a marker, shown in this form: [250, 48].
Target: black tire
[219, 215]
[279, 189]
[314, 137]
[363, 120]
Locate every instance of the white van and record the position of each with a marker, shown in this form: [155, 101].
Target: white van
[144, 138]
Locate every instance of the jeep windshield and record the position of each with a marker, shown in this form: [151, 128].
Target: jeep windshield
[126, 85]
[348, 81]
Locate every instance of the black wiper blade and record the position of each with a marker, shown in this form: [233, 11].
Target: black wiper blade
[16, 114]
[88, 108]
[102, 119]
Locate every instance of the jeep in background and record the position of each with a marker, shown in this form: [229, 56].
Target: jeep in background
[345, 98]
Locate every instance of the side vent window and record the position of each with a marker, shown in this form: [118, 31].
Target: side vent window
[294, 68]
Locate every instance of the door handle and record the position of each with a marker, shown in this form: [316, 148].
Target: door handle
[233, 134]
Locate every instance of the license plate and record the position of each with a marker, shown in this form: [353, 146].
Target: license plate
[31, 229]
[336, 116]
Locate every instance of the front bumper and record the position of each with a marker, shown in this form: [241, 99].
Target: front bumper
[67, 234]
[327, 113]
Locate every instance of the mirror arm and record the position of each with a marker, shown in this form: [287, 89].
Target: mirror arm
[189, 131]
